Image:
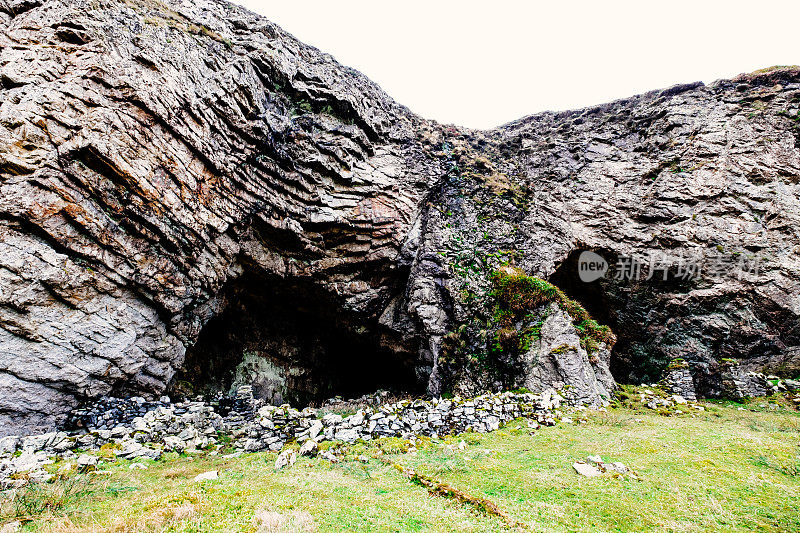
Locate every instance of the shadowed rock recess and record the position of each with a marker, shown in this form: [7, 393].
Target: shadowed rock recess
[191, 200]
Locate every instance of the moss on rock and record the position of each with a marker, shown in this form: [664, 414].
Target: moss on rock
[517, 293]
[489, 347]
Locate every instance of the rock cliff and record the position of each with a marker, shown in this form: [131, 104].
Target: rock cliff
[192, 200]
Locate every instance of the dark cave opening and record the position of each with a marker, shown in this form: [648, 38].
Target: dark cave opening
[633, 308]
[604, 299]
[593, 296]
[294, 343]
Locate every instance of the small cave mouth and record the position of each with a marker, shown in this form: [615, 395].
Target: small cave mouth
[604, 299]
[592, 295]
[293, 342]
[629, 306]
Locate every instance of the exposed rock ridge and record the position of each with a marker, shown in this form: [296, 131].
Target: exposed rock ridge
[155, 154]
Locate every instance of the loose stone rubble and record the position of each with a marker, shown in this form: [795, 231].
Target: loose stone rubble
[136, 429]
[674, 404]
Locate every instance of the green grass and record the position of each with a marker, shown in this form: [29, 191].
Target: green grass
[719, 470]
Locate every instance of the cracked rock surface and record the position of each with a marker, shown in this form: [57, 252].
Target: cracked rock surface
[162, 162]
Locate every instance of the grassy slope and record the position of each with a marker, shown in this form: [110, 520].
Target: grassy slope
[723, 470]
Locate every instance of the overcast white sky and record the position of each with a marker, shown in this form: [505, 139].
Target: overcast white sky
[481, 64]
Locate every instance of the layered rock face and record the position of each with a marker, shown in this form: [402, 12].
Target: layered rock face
[189, 197]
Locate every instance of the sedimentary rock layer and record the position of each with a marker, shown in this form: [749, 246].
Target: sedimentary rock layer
[170, 166]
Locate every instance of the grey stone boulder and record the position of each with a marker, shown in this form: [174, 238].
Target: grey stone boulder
[8, 445]
[557, 358]
[285, 459]
[792, 384]
[87, 463]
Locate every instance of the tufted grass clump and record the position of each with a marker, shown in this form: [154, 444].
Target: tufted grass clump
[392, 445]
[37, 499]
[518, 293]
[107, 450]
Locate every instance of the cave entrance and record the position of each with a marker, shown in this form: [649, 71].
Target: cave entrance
[593, 296]
[634, 309]
[293, 342]
[602, 299]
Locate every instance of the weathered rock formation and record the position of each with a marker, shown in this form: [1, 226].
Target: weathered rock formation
[186, 189]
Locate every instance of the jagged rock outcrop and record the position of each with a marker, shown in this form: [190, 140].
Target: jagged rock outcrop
[184, 185]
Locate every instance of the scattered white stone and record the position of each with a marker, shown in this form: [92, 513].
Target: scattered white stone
[309, 448]
[462, 445]
[206, 476]
[619, 467]
[174, 444]
[138, 466]
[87, 462]
[677, 398]
[285, 458]
[586, 469]
[329, 456]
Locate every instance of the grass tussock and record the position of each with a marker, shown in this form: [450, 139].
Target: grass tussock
[291, 522]
[38, 499]
[789, 468]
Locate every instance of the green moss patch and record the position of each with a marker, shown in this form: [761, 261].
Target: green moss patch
[518, 294]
